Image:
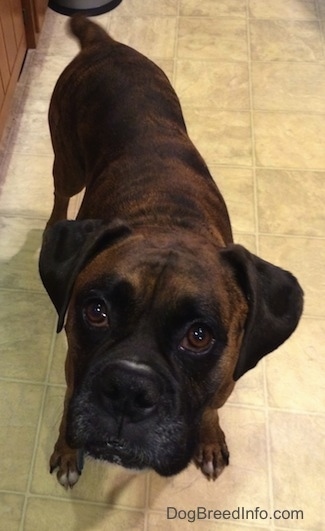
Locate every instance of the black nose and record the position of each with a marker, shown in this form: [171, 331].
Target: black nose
[129, 389]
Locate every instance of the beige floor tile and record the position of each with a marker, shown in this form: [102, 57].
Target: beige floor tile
[295, 374]
[20, 241]
[249, 389]
[289, 86]
[112, 485]
[11, 507]
[59, 355]
[237, 188]
[64, 45]
[243, 481]
[222, 137]
[152, 36]
[291, 202]
[166, 65]
[322, 25]
[277, 9]
[32, 135]
[210, 84]
[285, 40]
[43, 73]
[321, 8]
[42, 513]
[27, 191]
[34, 103]
[20, 407]
[99, 482]
[305, 258]
[219, 39]
[289, 140]
[25, 345]
[147, 8]
[198, 520]
[297, 453]
[210, 8]
[247, 240]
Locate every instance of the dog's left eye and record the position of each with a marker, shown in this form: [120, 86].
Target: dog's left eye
[95, 312]
[198, 338]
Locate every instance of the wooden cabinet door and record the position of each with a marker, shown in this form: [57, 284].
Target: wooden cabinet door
[17, 19]
[4, 63]
[12, 52]
[34, 16]
[8, 31]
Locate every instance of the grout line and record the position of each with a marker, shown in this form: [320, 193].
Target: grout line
[80, 501]
[175, 56]
[254, 19]
[268, 446]
[315, 62]
[321, 24]
[23, 290]
[294, 236]
[265, 168]
[251, 97]
[14, 215]
[253, 407]
[14, 492]
[310, 316]
[147, 498]
[31, 382]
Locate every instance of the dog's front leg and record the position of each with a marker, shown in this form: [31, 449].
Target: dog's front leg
[212, 454]
[67, 460]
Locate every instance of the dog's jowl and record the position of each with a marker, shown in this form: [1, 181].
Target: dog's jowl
[162, 311]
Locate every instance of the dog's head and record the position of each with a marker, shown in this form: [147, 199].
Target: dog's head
[157, 327]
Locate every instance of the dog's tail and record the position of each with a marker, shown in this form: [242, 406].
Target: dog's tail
[86, 31]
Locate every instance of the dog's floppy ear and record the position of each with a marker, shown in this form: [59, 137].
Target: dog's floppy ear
[67, 247]
[275, 302]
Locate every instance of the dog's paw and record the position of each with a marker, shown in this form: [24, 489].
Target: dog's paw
[69, 464]
[212, 458]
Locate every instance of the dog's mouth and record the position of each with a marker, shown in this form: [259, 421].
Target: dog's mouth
[115, 451]
[164, 442]
[129, 456]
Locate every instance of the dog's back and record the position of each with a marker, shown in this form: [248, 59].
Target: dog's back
[114, 117]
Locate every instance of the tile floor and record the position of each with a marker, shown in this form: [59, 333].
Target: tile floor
[251, 78]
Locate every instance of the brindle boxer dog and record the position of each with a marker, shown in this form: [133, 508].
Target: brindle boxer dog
[163, 312]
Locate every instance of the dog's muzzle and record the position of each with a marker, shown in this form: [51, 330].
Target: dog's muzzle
[133, 414]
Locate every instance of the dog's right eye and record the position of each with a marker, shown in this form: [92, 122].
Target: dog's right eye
[95, 313]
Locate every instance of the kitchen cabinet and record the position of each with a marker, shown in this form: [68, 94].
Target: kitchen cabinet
[12, 52]
[20, 26]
